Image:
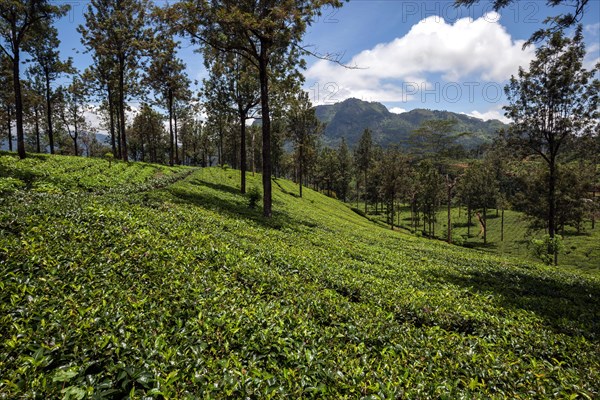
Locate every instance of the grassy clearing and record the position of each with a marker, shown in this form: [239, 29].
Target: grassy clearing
[182, 291]
[582, 249]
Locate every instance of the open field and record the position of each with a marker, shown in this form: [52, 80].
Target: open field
[581, 252]
[164, 284]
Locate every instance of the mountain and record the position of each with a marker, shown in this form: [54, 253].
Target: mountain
[348, 119]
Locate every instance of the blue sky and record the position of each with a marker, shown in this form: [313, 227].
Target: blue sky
[409, 54]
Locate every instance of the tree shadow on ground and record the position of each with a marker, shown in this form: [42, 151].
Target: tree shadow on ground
[236, 205]
[567, 303]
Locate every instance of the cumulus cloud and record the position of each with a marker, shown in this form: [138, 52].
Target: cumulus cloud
[494, 113]
[478, 49]
[397, 110]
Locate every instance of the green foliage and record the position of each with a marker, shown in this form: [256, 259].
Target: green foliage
[180, 291]
[254, 196]
[9, 185]
[544, 248]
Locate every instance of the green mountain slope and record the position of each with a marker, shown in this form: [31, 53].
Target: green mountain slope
[179, 290]
[349, 118]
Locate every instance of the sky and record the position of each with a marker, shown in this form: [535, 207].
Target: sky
[405, 54]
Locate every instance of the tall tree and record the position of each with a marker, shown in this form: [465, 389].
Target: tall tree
[234, 80]
[345, 170]
[7, 98]
[479, 189]
[35, 99]
[266, 33]
[166, 75]
[119, 29]
[392, 167]
[71, 103]
[100, 82]
[363, 156]
[435, 138]
[48, 65]
[304, 127]
[551, 104]
[148, 138]
[20, 21]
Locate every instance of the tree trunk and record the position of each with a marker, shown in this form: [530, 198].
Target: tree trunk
[502, 226]
[266, 129]
[300, 169]
[365, 191]
[552, 206]
[392, 213]
[118, 129]
[111, 118]
[171, 138]
[49, 112]
[37, 130]
[9, 126]
[122, 107]
[175, 144]
[449, 238]
[18, 105]
[242, 115]
[468, 221]
[484, 225]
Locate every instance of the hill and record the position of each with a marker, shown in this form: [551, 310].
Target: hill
[349, 118]
[149, 281]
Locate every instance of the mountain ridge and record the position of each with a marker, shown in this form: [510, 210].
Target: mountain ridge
[349, 118]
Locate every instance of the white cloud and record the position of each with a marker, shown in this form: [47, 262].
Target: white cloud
[494, 113]
[397, 110]
[478, 49]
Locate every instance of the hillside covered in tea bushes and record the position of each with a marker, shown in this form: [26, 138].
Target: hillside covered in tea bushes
[144, 281]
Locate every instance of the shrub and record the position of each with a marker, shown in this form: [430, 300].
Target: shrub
[254, 196]
[108, 156]
[545, 247]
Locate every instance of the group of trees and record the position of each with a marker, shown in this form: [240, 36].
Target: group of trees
[253, 53]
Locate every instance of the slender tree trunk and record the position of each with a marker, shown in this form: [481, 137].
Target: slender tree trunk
[49, 112]
[468, 220]
[118, 129]
[111, 118]
[502, 226]
[300, 169]
[75, 132]
[242, 115]
[449, 238]
[484, 225]
[365, 191]
[552, 206]
[37, 130]
[9, 126]
[392, 213]
[18, 105]
[171, 138]
[175, 137]
[122, 107]
[252, 143]
[266, 129]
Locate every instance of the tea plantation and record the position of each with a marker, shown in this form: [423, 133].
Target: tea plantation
[142, 281]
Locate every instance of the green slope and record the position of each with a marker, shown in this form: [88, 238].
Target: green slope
[178, 290]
